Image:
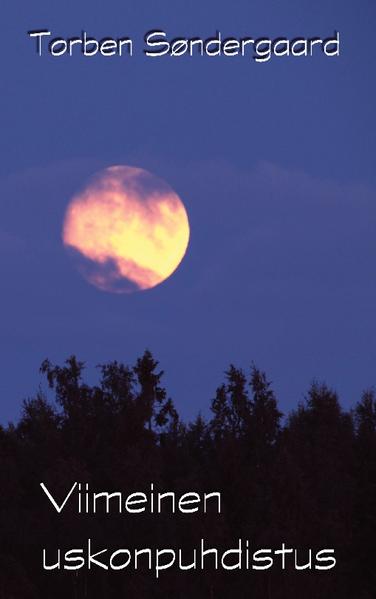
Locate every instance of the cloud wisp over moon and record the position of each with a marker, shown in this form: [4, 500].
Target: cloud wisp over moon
[127, 230]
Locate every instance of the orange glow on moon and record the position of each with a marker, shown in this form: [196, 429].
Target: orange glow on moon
[127, 229]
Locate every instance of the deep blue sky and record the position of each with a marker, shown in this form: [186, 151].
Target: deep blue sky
[275, 163]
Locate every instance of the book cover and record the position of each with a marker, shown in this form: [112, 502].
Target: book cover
[187, 324]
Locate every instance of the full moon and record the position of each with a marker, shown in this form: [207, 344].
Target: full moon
[127, 230]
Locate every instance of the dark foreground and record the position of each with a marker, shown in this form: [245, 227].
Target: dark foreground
[308, 481]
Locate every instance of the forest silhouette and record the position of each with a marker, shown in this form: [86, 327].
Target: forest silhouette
[307, 479]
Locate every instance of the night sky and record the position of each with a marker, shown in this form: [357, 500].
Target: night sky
[275, 164]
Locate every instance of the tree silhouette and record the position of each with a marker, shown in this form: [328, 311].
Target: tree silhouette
[308, 480]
